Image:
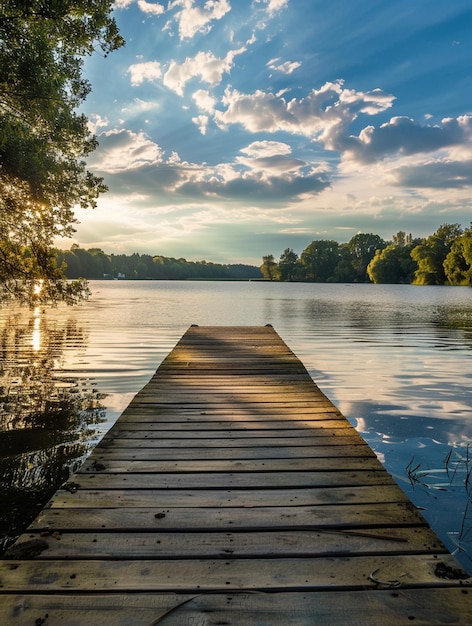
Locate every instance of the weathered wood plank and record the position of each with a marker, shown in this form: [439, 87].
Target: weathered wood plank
[230, 426]
[137, 433]
[122, 453]
[285, 609]
[268, 544]
[225, 575]
[243, 394]
[227, 480]
[323, 608]
[167, 498]
[183, 518]
[185, 413]
[234, 442]
[235, 418]
[204, 465]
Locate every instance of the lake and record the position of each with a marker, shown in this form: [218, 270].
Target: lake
[395, 359]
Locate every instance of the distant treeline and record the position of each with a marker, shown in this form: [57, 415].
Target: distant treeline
[95, 264]
[443, 258]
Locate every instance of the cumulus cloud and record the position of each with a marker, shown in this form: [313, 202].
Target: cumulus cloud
[269, 165]
[204, 100]
[266, 148]
[205, 65]
[194, 19]
[134, 163]
[276, 5]
[323, 115]
[123, 150]
[403, 136]
[202, 122]
[268, 157]
[437, 174]
[148, 71]
[273, 6]
[95, 122]
[256, 188]
[287, 67]
[153, 8]
[122, 4]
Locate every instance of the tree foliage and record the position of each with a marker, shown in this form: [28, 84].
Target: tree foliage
[458, 262]
[288, 265]
[431, 254]
[95, 264]
[362, 248]
[392, 265]
[319, 259]
[43, 139]
[269, 268]
[445, 257]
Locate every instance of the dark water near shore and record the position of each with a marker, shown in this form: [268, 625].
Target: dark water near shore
[396, 360]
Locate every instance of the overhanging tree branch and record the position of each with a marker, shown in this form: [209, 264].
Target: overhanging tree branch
[43, 140]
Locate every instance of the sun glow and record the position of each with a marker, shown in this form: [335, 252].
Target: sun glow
[36, 337]
[38, 287]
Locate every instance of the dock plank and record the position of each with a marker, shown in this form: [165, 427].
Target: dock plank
[226, 497]
[418, 606]
[225, 574]
[241, 544]
[231, 490]
[243, 442]
[236, 465]
[230, 480]
[186, 519]
[279, 451]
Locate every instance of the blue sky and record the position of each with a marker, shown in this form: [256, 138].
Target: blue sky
[230, 129]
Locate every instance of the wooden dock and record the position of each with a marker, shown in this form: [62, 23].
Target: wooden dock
[231, 491]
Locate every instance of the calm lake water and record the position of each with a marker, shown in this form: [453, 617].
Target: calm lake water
[395, 359]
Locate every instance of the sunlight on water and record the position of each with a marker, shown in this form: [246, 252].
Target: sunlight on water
[395, 359]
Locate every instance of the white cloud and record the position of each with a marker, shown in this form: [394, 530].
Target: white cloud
[151, 7]
[135, 165]
[402, 136]
[148, 71]
[273, 6]
[122, 4]
[269, 166]
[96, 121]
[434, 174]
[266, 149]
[204, 100]
[205, 65]
[286, 68]
[323, 115]
[276, 5]
[194, 19]
[202, 122]
[139, 106]
[124, 150]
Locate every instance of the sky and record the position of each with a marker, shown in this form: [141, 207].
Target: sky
[232, 129]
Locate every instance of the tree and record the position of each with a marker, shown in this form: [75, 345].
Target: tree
[319, 260]
[363, 247]
[288, 264]
[269, 268]
[458, 263]
[392, 265]
[344, 272]
[431, 254]
[402, 239]
[43, 139]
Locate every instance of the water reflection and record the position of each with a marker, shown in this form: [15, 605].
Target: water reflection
[47, 419]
